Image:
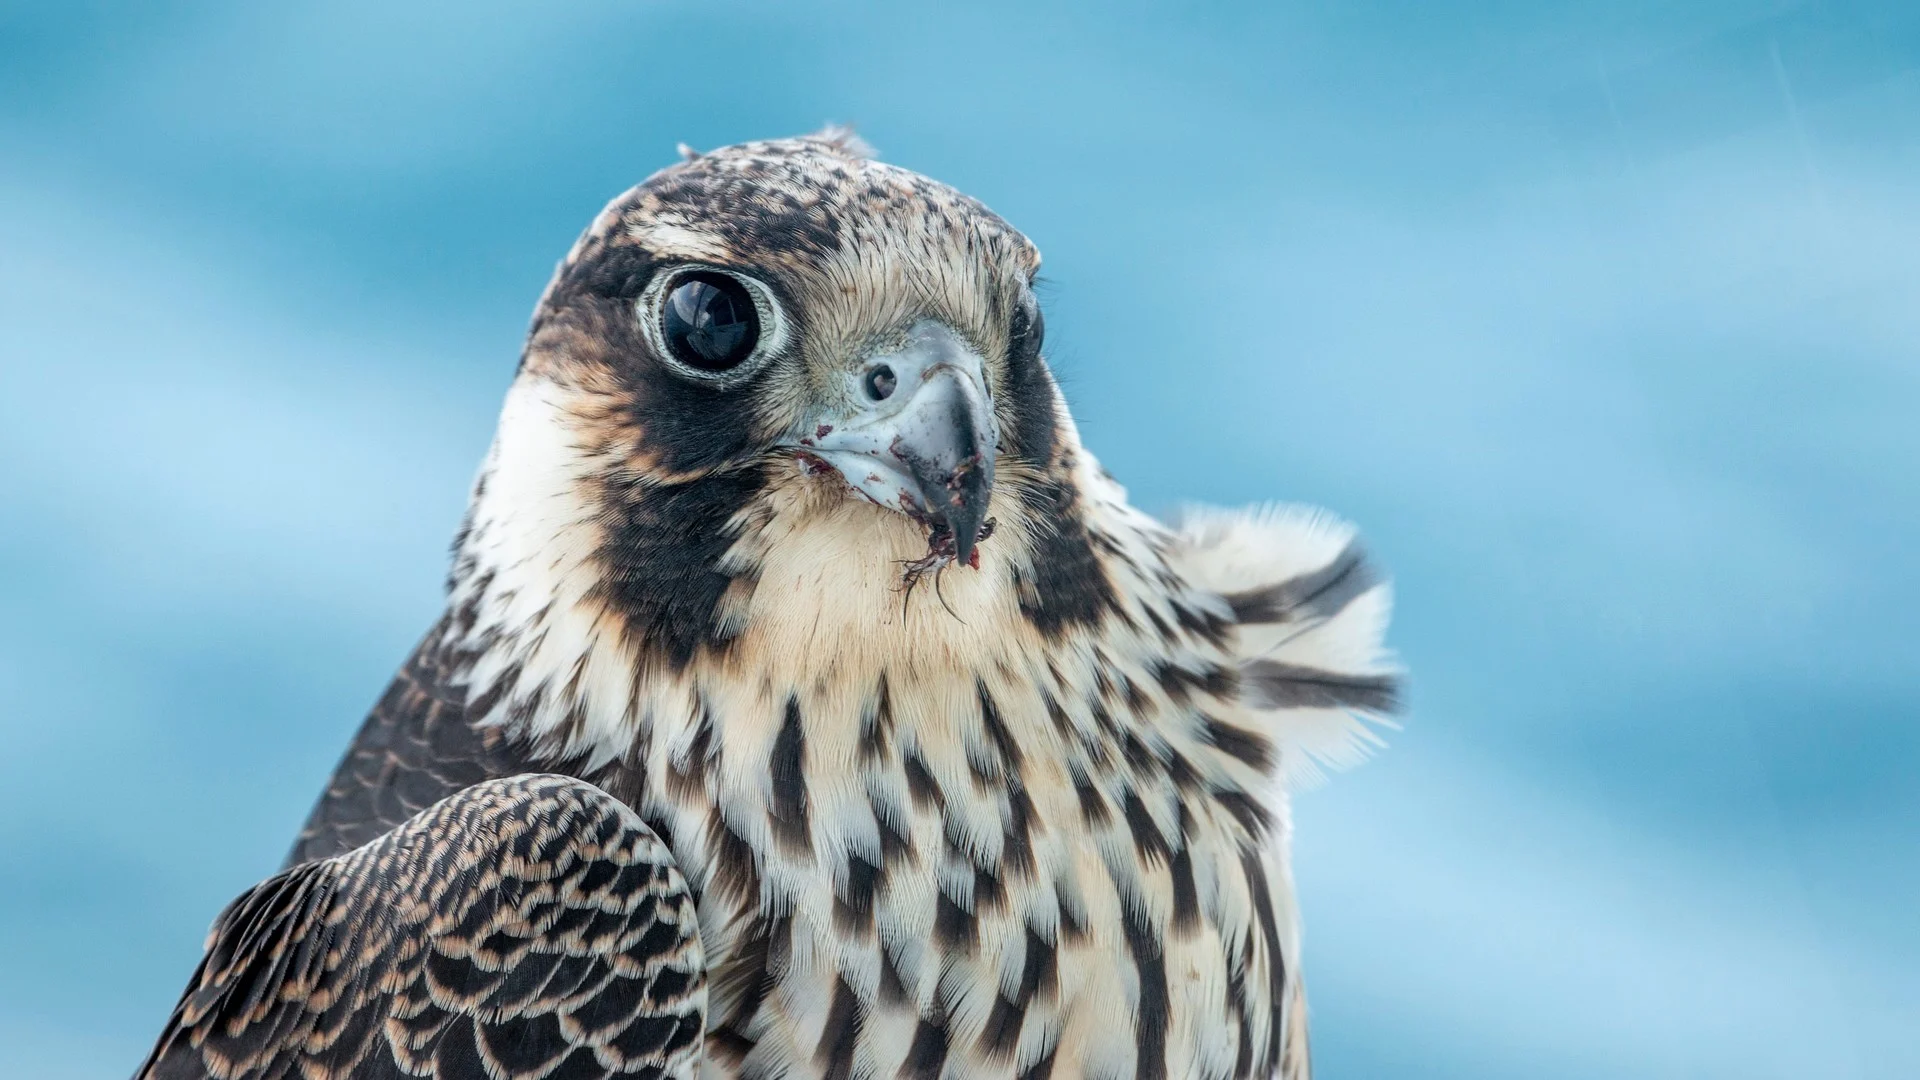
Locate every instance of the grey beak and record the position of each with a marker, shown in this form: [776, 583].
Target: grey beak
[918, 435]
[947, 447]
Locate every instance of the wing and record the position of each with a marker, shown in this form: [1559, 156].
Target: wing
[531, 927]
[415, 749]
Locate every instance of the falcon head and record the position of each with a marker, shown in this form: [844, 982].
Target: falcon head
[758, 340]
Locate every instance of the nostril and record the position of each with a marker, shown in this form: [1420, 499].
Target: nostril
[881, 382]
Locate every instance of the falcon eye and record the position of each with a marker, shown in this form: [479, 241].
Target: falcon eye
[1029, 327]
[709, 322]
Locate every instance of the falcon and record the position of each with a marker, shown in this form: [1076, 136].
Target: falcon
[808, 702]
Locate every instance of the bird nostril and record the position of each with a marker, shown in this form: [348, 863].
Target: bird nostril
[880, 383]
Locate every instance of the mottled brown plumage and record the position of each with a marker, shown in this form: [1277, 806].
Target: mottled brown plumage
[1032, 826]
[522, 929]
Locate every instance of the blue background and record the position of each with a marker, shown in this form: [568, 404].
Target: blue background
[1601, 319]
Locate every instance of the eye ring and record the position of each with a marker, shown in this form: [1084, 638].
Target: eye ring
[711, 323]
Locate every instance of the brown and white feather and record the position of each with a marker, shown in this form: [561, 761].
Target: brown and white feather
[1027, 820]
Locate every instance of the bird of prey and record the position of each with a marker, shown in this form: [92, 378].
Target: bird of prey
[808, 701]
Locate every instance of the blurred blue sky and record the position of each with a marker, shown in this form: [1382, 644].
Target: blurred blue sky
[1601, 319]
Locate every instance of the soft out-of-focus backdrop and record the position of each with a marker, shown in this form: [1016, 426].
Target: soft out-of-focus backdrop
[1603, 320]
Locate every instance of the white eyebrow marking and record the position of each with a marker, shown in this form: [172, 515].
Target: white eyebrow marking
[678, 241]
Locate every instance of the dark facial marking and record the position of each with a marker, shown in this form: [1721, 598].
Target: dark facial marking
[683, 425]
[1068, 587]
[1033, 434]
[661, 556]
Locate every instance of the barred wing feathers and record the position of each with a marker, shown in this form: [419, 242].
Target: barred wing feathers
[530, 928]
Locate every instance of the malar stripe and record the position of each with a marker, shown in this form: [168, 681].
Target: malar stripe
[1270, 684]
[1064, 587]
[670, 588]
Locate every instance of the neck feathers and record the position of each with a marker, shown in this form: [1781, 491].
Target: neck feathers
[585, 599]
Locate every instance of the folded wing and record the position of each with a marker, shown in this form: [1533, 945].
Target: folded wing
[531, 927]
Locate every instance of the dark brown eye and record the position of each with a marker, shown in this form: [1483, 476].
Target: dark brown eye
[1029, 329]
[709, 322]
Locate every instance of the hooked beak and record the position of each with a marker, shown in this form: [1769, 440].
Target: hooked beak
[919, 436]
